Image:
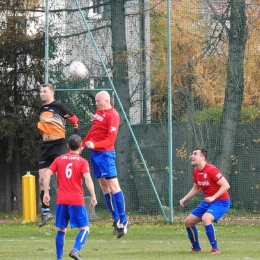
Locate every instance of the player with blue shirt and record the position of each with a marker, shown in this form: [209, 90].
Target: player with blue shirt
[70, 204]
[208, 179]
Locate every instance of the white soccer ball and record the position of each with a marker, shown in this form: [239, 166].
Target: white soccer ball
[78, 70]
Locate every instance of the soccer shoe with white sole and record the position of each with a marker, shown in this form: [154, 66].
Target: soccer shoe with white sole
[74, 254]
[45, 218]
[122, 229]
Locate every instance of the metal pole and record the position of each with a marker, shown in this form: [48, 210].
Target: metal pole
[46, 50]
[169, 73]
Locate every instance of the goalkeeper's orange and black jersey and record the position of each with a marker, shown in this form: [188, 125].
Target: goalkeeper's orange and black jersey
[53, 119]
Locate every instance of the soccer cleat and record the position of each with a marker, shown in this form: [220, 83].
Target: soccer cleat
[74, 254]
[45, 218]
[122, 229]
[115, 223]
[214, 251]
[193, 250]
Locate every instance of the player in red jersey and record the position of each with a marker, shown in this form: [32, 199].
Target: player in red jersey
[70, 204]
[208, 179]
[53, 117]
[101, 140]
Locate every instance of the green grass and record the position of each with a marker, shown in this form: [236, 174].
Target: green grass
[20, 241]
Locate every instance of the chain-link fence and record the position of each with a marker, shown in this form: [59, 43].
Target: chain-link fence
[212, 50]
[132, 36]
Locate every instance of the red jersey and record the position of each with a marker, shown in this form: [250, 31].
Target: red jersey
[104, 130]
[69, 169]
[207, 180]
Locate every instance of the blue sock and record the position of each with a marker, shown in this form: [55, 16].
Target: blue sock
[193, 236]
[80, 239]
[59, 244]
[45, 210]
[210, 231]
[120, 203]
[110, 200]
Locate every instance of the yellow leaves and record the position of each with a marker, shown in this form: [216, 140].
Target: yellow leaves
[256, 187]
[204, 76]
[210, 83]
[182, 152]
[234, 160]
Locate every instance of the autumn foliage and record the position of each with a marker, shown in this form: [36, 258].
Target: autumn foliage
[198, 58]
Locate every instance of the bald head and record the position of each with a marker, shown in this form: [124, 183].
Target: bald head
[103, 100]
[103, 95]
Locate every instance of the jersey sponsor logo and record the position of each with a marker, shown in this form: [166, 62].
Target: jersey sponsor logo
[98, 117]
[219, 175]
[46, 116]
[203, 183]
[113, 129]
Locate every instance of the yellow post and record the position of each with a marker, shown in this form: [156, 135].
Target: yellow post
[28, 197]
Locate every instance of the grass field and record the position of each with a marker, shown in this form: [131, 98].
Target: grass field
[143, 241]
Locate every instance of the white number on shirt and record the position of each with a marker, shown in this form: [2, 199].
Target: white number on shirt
[68, 170]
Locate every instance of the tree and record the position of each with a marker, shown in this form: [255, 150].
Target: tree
[121, 84]
[237, 34]
[212, 35]
[21, 68]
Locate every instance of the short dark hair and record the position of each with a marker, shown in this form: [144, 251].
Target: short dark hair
[203, 151]
[74, 142]
[50, 86]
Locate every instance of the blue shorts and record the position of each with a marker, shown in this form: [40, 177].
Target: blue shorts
[216, 208]
[77, 215]
[104, 164]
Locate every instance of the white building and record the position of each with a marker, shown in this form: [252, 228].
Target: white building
[75, 43]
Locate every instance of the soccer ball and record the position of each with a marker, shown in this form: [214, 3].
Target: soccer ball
[78, 70]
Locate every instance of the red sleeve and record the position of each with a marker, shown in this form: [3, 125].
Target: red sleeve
[216, 175]
[85, 167]
[73, 119]
[53, 166]
[75, 122]
[85, 139]
[194, 175]
[109, 141]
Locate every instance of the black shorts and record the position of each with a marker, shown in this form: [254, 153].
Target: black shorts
[50, 150]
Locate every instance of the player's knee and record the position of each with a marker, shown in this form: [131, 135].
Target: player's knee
[187, 223]
[85, 228]
[207, 219]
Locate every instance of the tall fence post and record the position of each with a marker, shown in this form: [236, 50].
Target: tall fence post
[28, 197]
